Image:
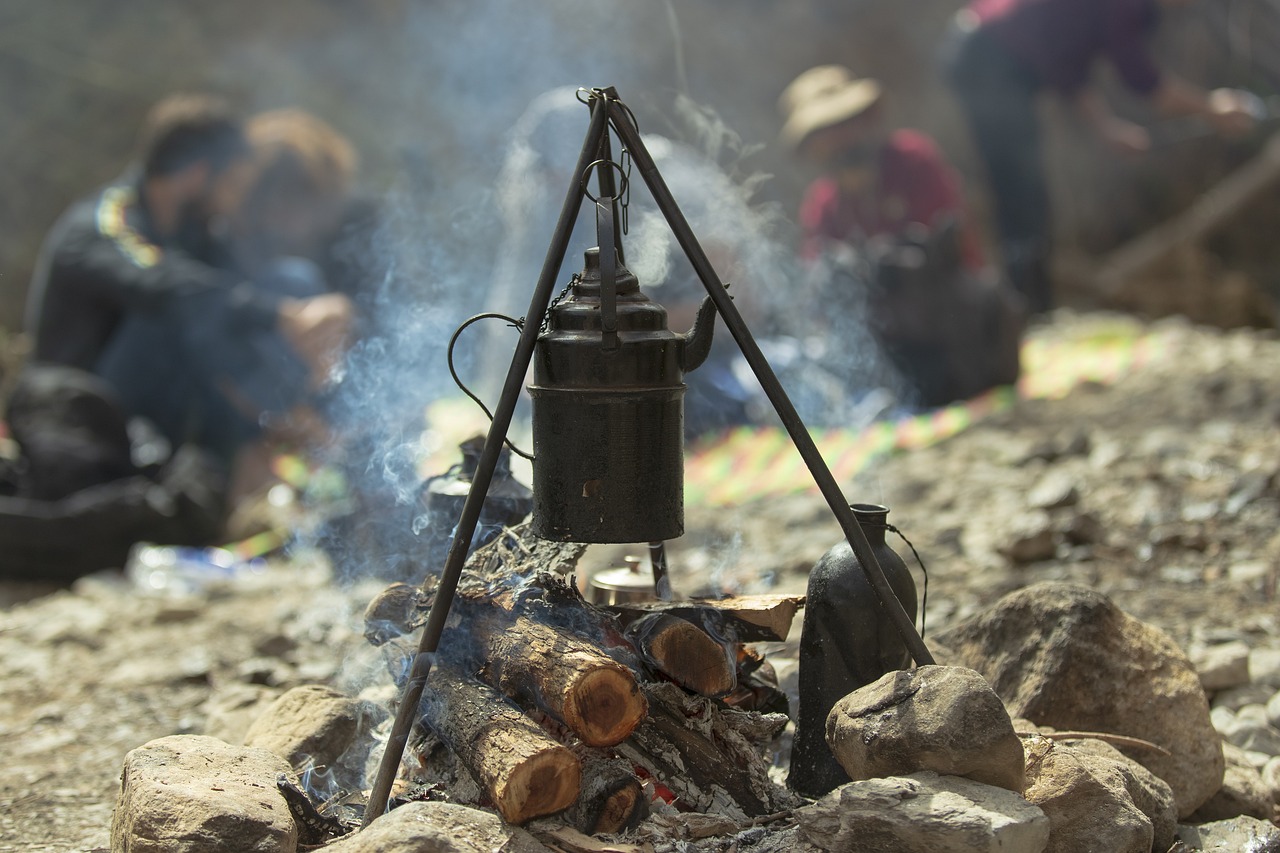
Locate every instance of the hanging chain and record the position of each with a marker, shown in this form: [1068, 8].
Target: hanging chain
[625, 202]
[546, 315]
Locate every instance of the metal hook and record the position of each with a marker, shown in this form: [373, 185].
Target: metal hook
[586, 175]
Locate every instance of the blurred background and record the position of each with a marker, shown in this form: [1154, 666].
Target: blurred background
[430, 91]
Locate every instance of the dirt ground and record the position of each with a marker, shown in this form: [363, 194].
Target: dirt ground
[1162, 491]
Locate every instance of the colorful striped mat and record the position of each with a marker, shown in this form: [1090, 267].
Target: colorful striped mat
[751, 463]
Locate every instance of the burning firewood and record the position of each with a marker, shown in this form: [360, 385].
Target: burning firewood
[596, 678]
[612, 798]
[685, 653]
[524, 771]
[742, 618]
[545, 666]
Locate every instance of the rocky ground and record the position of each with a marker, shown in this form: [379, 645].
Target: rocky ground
[1162, 491]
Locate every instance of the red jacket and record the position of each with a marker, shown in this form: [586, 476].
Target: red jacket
[916, 185]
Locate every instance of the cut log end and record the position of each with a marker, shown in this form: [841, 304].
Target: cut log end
[688, 655]
[620, 810]
[543, 783]
[603, 705]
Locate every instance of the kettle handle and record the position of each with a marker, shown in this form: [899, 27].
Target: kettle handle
[608, 276]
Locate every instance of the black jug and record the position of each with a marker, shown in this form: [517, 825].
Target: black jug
[506, 503]
[847, 642]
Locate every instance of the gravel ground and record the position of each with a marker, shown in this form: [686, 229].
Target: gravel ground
[1163, 491]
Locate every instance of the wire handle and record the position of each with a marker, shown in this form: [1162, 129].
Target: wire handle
[924, 597]
[490, 315]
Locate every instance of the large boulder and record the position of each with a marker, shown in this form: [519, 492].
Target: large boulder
[923, 813]
[438, 828]
[941, 718]
[1063, 655]
[196, 794]
[1249, 834]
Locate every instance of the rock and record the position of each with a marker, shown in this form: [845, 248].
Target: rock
[1272, 707]
[1235, 698]
[314, 726]
[1250, 730]
[1248, 572]
[230, 711]
[1222, 666]
[1242, 793]
[923, 813]
[438, 828]
[1085, 797]
[1231, 836]
[1056, 489]
[940, 718]
[1255, 714]
[1030, 537]
[1151, 794]
[1271, 778]
[1264, 667]
[1063, 655]
[1084, 528]
[195, 794]
[1222, 718]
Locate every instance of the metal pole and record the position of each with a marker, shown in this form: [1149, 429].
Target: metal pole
[480, 482]
[769, 381]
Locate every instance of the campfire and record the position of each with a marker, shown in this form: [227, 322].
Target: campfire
[550, 702]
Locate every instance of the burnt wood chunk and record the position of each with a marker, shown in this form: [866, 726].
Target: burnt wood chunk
[712, 758]
[540, 665]
[612, 798]
[523, 770]
[685, 653]
[739, 618]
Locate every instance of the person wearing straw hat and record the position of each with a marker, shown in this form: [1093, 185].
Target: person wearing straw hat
[886, 221]
[1001, 54]
[874, 181]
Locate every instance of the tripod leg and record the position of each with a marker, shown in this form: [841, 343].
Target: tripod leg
[769, 381]
[483, 476]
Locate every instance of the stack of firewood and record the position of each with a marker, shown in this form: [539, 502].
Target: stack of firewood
[553, 704]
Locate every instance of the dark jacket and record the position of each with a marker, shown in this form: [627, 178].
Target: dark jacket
[101, 261]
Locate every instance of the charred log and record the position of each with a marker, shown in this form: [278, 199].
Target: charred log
[524, 771]
[539, 665]
[612, 798]
[685, 653]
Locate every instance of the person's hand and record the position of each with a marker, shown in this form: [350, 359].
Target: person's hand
[1125, 136]
[1232, 112]
[318, 329]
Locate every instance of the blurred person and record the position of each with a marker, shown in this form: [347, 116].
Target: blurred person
[888, 237]
[297, 197]
[142, 247]
[266, 393]
[1002, 54]
[874, 180]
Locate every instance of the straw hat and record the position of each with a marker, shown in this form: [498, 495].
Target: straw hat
[823, 97]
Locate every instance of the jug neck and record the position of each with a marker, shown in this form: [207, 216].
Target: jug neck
[874, 520]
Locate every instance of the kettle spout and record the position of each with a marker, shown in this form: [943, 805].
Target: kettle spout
[696, 345]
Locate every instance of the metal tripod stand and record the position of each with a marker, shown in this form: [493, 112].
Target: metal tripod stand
[607, 110]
